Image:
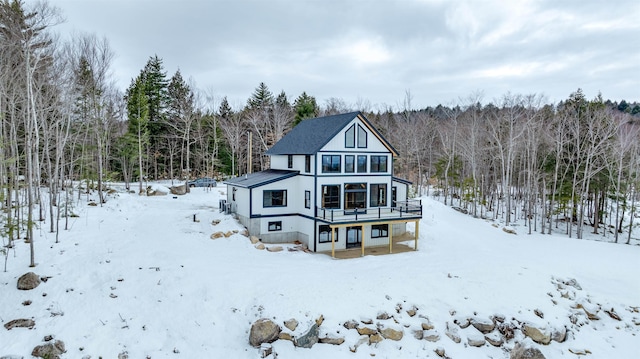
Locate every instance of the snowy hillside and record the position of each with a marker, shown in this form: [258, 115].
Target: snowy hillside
[139, 278]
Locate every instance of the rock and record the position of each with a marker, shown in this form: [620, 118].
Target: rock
[28, 281]
[590, 310]
[363, 339]
[123, 355]
[412, 312]
[484, 326]
[352, 324]
[522, 352]
[507, 330]
[573, 283]
[285, 336]
[540, 336]
[418, 334]
[427, 325]
[320, 320]
[366, 331]
[228, 234]
[494, 339]
[463, 322]
[215, 222]
[263, 331]
[579, 351]
[291, 324]
[452, 333]
[383, 316]
[49, 350]
[476, 340]
[254, 239]
[10, 356]
[439, 351]
[260, 246]
[366, 321]
[392, 334]
[431, 336]
[538, 312]
[612, 313]
[20, 323]
[509, 230]
[178, 190]
[265, 350]
[308, 339]
[274, 249]
[217, 235]
[375, 339]
[332, 341]
[559, 334]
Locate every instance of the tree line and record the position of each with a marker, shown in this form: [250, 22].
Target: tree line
[67, 128]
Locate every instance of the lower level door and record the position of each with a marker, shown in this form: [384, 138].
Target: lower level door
[354, 237]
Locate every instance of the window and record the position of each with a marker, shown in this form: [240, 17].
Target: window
[350, 137]
[307, 199]
[379, 230]
[233, 194]
[394, 195]
[307, 163]
[331, 196]
[362, 137]
[275, 226]
[362, 164]
[274, 198]
[378, 197]
[331, 163]
[355, 195]
[378, 163]
[349, 163]
[324, 234]
[290, 161]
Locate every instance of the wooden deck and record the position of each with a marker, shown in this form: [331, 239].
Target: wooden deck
[376, 250]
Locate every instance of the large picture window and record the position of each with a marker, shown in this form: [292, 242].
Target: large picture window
[350, 137]
[355, 195]
[378, 163]
[378, 196]
[331, 196]
[274, 198]
[379, 230]
[331, 163]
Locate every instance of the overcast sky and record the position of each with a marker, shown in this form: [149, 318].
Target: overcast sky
[439, 50]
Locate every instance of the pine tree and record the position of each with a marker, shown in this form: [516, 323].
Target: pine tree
[305, 107]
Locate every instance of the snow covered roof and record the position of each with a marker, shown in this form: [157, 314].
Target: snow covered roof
[256, 179]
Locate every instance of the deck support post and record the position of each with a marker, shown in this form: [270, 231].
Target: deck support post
[333, 243]
[362, 234]
[390, 237]
[417, 232]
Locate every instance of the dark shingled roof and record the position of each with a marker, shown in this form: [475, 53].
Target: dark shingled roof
[260, 178]
[309, 136]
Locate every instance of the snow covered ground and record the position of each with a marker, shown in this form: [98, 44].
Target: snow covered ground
[139, 276]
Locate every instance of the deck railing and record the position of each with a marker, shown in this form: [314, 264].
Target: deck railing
[408, 209]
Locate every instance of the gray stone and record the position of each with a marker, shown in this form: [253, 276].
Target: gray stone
[440, 352]
[352, 324]
[291, 324]
[274, 249]
[463, 322]
[522, 352]
[431, 336]
[452, 333]
[178, 190]
[20, 323]
[254, 239]
[494, 339]
[540, 336]
[260, 246]
[476, 340]
[10, 356]
[263, 331]
[559, 334]
[28, 281]
[308, 339]
[265, 350]
[383, 316]
[49, 350]
[418, 334]
[484, 326]
[427, 325]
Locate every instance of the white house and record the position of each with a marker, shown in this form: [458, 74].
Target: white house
[330, 186]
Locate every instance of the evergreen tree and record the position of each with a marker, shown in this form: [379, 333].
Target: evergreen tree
[138, 130]
[305, 107]
[261, 99]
